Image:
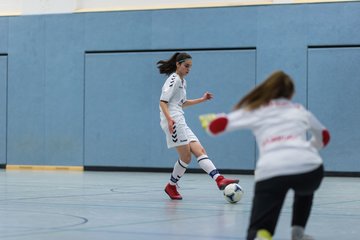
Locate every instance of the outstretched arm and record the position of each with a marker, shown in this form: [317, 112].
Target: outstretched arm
[221, 123]
[207, 96]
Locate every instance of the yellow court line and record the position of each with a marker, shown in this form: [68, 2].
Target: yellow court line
[10, 13]
[203, 5]
[319, 1]
[182, 6]
[174, 6]
[41, 167]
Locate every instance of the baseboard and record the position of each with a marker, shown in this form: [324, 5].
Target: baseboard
[125, 169]
[197, 170]
[341, 174]
[149, 169]
[41, 167]
[155, 169]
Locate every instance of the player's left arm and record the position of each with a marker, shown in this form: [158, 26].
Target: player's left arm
[190, 102]
[320, 135]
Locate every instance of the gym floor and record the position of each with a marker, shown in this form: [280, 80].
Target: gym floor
[80, 205]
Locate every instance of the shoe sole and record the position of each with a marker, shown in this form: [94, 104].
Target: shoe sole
[222, 187]
[171, 197]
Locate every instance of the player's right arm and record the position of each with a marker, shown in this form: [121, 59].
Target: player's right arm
[220, 123]
[168, 91]
[165, 109]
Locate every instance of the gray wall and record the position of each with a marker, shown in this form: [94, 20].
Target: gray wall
[83, 89]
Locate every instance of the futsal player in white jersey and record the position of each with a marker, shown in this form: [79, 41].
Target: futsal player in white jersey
[287, 160]
[178, 135]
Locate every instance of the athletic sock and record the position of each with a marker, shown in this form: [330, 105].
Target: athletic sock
[207, 165]
[178, 171]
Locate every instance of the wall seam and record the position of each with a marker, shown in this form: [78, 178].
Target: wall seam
[84, 105]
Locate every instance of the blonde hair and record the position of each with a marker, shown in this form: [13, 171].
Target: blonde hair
[277, 85]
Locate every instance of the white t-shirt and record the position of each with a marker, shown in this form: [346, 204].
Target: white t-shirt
[174, 93]
[280, 129]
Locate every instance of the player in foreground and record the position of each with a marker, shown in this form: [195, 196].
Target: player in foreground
[287, 159]
[178, 134]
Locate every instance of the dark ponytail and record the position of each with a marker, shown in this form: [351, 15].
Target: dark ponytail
[169, 66]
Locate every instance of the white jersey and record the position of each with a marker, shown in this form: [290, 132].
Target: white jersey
[174, 93]
[280, 129]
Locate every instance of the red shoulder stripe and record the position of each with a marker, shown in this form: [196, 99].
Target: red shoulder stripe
[325, 137]
[218, 125]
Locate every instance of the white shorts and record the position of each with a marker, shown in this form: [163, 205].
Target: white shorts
[182, 134]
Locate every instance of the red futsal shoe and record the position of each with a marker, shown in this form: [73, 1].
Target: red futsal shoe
[172, 192]
[223, 182]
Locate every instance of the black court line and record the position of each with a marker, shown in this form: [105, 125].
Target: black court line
[170, 50]
[334, 46]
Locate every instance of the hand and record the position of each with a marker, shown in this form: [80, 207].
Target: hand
[207, 96]
[206, 119]
[171, 124]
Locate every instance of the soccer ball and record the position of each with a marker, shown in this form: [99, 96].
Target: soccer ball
[233, 193]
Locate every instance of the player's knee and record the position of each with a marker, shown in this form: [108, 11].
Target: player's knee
[199, 152]
[186, 157]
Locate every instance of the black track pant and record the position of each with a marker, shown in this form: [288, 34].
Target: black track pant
[270, 195]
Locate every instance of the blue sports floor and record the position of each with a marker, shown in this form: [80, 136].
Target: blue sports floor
[72, 205]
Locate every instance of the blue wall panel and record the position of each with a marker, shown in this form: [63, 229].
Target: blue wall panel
[3, 101]
[46, 90]
[117, 109]
[333, 24]
[204, 28]
[26, 90]
[118, 30]
[4, 22]
[64, 71]
[334, 97]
